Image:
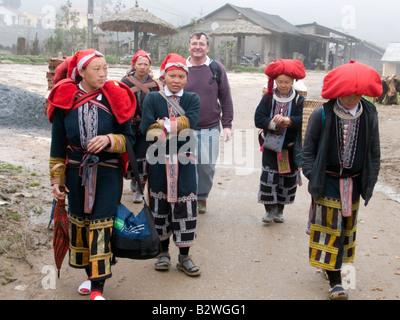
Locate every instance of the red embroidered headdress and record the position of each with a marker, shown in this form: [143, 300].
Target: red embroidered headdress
[80, 60]
[173, 62]
[140, 54]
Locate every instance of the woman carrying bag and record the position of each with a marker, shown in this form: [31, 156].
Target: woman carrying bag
[90, 124]
[280, 116]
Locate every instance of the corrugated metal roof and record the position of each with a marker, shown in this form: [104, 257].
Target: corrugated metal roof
[392, 53]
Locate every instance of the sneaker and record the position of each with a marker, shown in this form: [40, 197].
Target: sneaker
[133, 185]
[138, 197]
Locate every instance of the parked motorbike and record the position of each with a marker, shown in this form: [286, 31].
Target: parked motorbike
[257, 60]
[247, 60]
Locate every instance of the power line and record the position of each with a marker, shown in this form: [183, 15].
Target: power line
[162, 7]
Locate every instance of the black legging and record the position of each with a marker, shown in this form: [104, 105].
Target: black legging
[335, 277]
[96, 285]
[165, 248]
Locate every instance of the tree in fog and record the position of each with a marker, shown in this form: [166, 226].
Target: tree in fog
[15, 4]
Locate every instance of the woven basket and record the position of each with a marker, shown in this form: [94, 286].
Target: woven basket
[308, 107]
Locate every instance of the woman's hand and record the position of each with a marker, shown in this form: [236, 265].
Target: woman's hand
[281, 121]
[57, 193]
[98, 144]
[161, 121]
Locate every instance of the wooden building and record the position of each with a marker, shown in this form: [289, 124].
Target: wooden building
[391, 60]
[318, 47]
[283, 40]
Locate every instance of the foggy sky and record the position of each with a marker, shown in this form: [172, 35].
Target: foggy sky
[370, 20]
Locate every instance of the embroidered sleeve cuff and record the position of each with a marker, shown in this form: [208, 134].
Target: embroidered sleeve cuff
[156, 132]
[117, 143]
[55, 176]
[183, 123]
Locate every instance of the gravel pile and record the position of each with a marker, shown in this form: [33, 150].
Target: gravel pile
[21, 109]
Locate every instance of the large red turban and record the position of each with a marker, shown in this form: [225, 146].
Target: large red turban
[352, 78]
[289, 67]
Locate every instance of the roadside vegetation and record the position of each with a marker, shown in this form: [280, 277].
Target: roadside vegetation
[21, 201]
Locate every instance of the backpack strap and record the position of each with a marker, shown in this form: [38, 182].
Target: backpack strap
[173, 104]
[141, 86]
[215, 71]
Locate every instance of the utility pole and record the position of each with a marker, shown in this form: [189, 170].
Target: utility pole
[90, 18]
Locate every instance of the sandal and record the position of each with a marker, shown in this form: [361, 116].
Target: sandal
[163, 261]
[96, 295]
[85, 287]
[337, 293]
[187, 266]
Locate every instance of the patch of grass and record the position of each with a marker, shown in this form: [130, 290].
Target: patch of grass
[27, 59]
[11, 215]
[6, 167]
[33, 184]
[240, 68]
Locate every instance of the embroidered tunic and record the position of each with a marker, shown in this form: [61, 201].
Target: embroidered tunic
[332, 231]
[94, 181]
[141, 145]
[177, 217]
[277, 188]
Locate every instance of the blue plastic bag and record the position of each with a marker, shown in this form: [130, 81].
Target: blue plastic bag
[135, 237]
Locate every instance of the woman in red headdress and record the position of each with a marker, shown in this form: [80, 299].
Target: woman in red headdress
[279, 115]
[90, 124]
[169, 122]
[139, 80]
[341, 159]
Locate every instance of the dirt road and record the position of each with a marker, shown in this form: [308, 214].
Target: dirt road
[241, 258]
